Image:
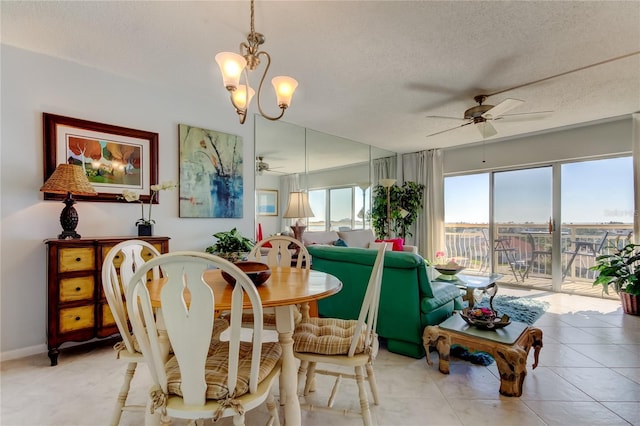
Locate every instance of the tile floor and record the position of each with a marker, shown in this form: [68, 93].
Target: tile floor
[589, 374]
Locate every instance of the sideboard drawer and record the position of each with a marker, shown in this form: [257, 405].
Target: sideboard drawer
[79, 288]
[76, 318]
[76, 259]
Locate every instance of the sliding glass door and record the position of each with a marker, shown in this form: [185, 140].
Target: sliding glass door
[521, 230]
[591, 200]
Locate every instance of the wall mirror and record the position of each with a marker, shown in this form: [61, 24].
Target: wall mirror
[337, 173]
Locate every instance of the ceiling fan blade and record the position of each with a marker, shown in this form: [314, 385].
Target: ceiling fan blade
[448, 130]
[504, 106]
[486, 129]
[447, 117]
[537, 115]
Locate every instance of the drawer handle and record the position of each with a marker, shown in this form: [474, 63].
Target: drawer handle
[77, 318]
[78, 289]
[78, 259]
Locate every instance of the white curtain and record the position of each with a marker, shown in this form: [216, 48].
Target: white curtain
[425, 167]
[384, 168]
[635, 141]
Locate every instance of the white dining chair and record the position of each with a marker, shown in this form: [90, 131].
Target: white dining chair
[343, 343]
[282, 250]
[118, 267]
[204, 378]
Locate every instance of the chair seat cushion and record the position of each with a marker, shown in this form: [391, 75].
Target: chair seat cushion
[326, 336]
[217, 369]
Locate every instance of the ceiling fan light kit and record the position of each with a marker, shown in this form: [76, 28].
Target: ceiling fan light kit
[233, 65]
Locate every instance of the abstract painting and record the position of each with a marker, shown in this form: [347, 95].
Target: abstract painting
[211, 181]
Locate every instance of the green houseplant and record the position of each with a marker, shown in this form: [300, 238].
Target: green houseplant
[231, 245]
[621, 270]
[405, 203]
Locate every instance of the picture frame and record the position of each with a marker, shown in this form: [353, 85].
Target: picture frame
[115, 158]
[267, 202]
[211, 173]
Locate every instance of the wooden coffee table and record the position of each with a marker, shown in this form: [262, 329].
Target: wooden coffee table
[509, 346]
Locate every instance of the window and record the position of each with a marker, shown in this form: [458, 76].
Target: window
[339, 208]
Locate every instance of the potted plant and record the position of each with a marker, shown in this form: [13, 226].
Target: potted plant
[621, 269]
[405, 202]
[231, 245]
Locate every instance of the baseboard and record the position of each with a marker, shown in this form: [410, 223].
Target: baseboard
[23, 352]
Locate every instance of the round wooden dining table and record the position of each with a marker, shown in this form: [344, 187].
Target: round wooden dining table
[285, 288]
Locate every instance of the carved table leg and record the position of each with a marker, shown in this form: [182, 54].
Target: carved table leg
[512, 366]
[433, 336]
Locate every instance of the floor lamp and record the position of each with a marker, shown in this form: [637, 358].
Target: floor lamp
[364, 186]
[387, 184]
[298, 208]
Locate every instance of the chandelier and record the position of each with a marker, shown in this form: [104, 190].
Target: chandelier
[232, 66]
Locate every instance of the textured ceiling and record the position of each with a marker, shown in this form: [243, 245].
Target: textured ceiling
[368, 71]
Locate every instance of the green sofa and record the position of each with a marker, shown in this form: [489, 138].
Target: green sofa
[408, 300]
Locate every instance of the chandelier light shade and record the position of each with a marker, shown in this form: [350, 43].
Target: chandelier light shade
[233, 65]
[71, 180]
[298, 208]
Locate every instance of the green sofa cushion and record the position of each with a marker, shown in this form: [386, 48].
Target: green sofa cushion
[442, 293]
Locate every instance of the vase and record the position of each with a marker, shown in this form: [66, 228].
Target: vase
[630, 304]
[145, 230]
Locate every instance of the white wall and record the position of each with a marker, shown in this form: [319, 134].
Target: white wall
[32, 84]
[598, 139]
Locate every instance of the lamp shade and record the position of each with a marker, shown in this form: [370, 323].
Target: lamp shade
[240, 98]
[231, 66]
[298, 206]
[387, 182]
[68, 178]
[285, 86]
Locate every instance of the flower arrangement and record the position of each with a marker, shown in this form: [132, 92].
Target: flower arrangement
[484, 314]
[134, 196]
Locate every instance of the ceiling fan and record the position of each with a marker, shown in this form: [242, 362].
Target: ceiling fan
[262, 167]
[482, 114]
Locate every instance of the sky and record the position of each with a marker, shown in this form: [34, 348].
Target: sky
[599, 191]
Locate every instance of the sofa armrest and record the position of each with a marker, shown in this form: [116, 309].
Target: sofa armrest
[410, 249]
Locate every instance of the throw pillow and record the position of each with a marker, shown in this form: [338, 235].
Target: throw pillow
[398, 243]
[340, 243]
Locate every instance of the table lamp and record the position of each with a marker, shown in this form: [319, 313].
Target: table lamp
[68, 179]
[298, 208]
[387, 184]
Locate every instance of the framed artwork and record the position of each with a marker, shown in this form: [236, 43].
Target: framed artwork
[114, 158]
[267, 202]
[211, 177]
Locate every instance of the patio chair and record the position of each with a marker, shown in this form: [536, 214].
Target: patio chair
[502, 246]
[584, 248]
[206, 378]
[536, 254]
[343, 343]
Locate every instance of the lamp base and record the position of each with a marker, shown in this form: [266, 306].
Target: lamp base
[298, 230]
[69, 220]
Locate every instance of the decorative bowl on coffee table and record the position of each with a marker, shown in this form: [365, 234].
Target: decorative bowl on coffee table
[448, 272]
[484, 318]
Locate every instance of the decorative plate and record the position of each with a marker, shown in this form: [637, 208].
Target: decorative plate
[484, 321]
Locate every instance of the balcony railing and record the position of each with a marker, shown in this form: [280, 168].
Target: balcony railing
[525, 250]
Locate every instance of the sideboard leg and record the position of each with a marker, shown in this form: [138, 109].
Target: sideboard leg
[53, 356]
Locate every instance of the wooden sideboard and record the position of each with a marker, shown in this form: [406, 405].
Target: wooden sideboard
[77, 308]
